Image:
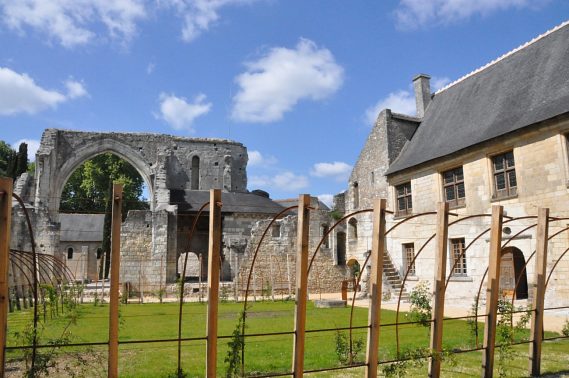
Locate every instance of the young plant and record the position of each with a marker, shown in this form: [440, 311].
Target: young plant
[506, 331]
[347, 355]
[234, 367]
[420, 299]
[565, 330]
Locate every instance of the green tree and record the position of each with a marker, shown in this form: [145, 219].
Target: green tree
[5, 156]
[89, 190]
[12, 163]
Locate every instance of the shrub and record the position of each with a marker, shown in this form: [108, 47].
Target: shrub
[420, 299]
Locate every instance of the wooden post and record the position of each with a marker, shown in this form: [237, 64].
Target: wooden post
[440, 280]
[536, 334]
[115, 270]
[213, 279]
[492, 291]
[5, 223]
[301, 284]
[375, 286]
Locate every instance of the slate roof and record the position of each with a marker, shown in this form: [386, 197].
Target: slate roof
[233, 202]
[314, 201]
[526, 86]
[81, 227]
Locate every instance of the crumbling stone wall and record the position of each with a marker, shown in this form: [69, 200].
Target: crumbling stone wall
[275, 265]
[165, 163]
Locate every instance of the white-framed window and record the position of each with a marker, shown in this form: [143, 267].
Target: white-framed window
[408, 256]
[504, 173]
[404, 199]
[453, 187]
[458, 257]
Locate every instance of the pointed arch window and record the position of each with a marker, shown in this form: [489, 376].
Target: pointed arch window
[195, 173]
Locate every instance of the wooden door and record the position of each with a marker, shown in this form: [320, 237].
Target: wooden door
[507, 274]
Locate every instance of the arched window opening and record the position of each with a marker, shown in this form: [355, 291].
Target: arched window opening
[323, 231]
[341, 248]
[86, 199]
[356, 195]
[353, 229]
[195, 173]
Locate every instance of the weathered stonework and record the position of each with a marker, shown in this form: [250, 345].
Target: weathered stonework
[275, 265]
[166, 163]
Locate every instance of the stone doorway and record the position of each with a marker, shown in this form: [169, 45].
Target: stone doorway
[511, 265]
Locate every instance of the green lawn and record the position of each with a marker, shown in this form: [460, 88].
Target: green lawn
[263, 354]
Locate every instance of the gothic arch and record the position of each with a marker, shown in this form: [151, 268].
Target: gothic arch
[78, 157]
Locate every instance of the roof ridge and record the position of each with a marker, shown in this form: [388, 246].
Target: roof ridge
[504, 56]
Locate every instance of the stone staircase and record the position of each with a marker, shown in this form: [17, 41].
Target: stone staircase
[391, 275]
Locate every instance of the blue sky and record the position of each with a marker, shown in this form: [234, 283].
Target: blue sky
[297, 81]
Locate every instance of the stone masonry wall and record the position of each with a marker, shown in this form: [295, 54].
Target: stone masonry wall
[275, 265]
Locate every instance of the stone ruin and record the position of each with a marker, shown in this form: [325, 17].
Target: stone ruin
[179, 173]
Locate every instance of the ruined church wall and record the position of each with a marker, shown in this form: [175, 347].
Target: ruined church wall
[145, 259]
[275, 265]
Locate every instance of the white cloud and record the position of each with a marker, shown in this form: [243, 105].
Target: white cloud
[199, 15]
[33, 147]
[20, 94]
[411, 14]
[337, 170]
[399, 102]
[276, 82]
[286, 181]
[150, 68]
[179, 113]
[439, 82]
[328, 199]
[256, 159]
[72, 22]
[402, 101]
[75, 89]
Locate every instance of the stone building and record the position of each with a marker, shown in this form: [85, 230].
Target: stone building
[80, 239]
[498, 135]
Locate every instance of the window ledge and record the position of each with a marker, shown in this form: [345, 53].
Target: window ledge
[503, 198]
[457, 207]
[461, 279]
[401, 216]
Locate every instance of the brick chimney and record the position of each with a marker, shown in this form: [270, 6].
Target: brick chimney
[422, 86]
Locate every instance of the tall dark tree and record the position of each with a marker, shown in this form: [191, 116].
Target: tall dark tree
[89, 190]
[21, 165]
